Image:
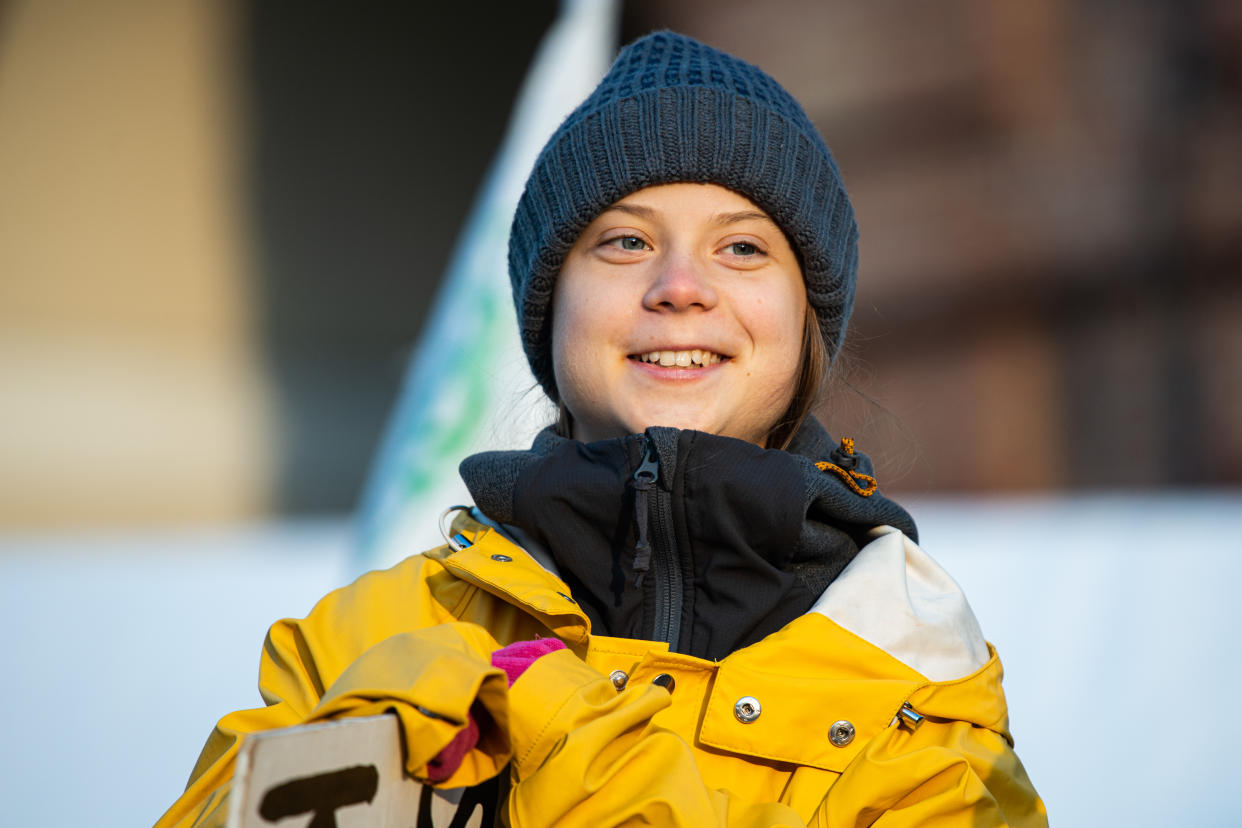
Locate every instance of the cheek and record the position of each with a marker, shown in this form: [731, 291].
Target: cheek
[576, 338]
[777, 322]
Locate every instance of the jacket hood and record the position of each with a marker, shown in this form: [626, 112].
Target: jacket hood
[741, 539]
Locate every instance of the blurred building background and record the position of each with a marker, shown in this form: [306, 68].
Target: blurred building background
[222, 224]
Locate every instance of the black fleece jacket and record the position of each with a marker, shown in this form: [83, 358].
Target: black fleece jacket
[706, 542]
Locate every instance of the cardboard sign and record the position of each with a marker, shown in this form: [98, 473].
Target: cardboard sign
[343, 774]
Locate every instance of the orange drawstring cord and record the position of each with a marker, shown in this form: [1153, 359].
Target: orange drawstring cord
[851, 477]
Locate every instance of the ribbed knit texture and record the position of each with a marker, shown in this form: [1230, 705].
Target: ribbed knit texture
[669, 110]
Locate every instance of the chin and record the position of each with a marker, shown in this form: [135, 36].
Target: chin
[670, 419]
[692, 422]
[601, 425]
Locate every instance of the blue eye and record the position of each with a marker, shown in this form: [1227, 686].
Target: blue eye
[742, 249]
[629, 243]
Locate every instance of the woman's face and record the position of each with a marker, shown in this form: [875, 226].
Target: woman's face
[680, 305]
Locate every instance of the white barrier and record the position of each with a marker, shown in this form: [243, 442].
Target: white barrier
[1116, 617]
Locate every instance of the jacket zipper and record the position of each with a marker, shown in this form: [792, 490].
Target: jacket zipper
[653, 510]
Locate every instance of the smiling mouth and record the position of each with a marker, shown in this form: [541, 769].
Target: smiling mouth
[696, 358]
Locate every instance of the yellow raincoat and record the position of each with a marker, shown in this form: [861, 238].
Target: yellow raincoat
[831, 744]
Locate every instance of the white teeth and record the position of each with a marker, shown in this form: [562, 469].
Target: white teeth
[681, 359]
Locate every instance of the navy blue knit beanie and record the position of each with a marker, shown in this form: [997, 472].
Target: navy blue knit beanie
[670, 110]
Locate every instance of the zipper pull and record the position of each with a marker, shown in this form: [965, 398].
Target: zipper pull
[649, 469]
[644, 483]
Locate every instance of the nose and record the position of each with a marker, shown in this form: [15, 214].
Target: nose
[679, 283]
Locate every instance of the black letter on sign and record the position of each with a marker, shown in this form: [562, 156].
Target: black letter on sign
[322, 794]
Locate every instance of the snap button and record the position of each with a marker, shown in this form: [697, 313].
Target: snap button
[747, 709]
[501, 558]
[665, 680]
[841, 733]
[619, 678]
[567, 598]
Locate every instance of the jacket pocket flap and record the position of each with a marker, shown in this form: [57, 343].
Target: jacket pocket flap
[796, 718]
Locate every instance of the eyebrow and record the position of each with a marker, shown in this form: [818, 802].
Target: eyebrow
[634, 210]
[642, 211]
[743, 215]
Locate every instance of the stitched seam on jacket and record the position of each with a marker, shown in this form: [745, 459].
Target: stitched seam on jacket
[538, 740]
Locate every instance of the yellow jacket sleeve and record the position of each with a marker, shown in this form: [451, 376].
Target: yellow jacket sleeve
[587, 755]
[364, 650]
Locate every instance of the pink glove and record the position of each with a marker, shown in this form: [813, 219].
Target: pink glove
[513, 659]
[448, 760]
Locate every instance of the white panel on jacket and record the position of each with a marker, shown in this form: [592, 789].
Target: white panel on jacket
[893, 595]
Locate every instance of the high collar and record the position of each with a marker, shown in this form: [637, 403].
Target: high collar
[745, 538]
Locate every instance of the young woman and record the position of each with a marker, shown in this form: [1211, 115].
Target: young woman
[683, 605]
